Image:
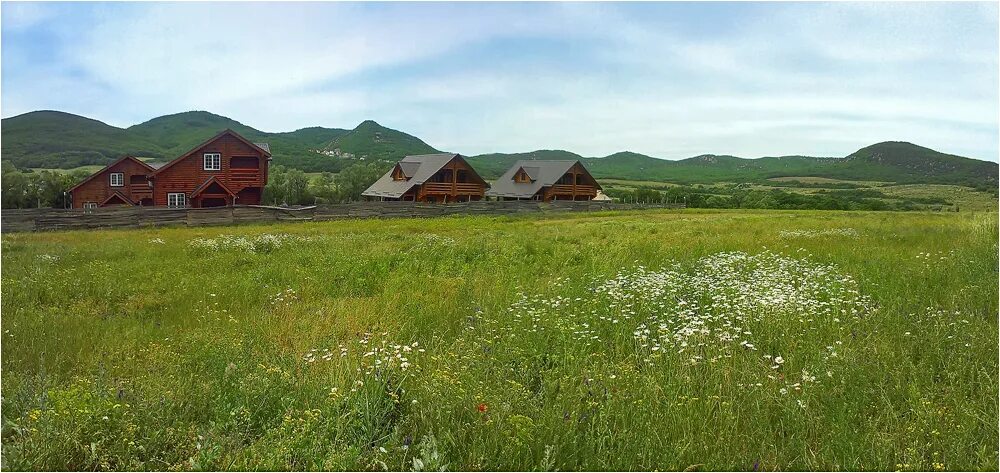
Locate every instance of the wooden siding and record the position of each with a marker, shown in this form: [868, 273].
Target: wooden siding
[189, 173]
[445, 186]
[576, 184]
[98, 189]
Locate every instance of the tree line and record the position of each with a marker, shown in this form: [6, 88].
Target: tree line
[741, 196]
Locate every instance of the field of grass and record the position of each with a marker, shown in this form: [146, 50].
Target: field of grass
[964, 197]
[825, 180]
[708, 340]
[89, 168]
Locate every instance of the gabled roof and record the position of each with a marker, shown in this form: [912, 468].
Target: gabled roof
[208, 182]
[106, 168]
[418, 169]
[543, 173]
[265, 149]
[118, 195]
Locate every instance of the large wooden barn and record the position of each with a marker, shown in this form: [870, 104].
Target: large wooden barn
[545, 180]
[442, 177]
[227, 169]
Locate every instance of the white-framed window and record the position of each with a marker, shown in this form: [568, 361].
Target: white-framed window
[89, 205]
[175, 199]
[213, 161]
[117, 179]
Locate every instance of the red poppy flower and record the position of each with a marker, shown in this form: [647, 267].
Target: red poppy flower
[481, 407]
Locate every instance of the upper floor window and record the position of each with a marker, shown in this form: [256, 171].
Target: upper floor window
[521, 176]
[213, 161]
[117, 179]
[89, 205]
[397, 174]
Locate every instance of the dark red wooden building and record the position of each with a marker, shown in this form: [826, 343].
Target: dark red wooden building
[123, 182]
[225, 170]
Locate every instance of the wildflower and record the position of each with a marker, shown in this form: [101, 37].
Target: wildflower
[482, 407]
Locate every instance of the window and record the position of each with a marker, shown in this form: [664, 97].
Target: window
[89, 205]
[213, 161]
[175, 199]
[117, 179]
[521, 176]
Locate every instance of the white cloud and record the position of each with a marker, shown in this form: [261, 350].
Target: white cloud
[591, 78]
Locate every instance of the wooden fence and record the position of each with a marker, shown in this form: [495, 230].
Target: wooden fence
[26, 220]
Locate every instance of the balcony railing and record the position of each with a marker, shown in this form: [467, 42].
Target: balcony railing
[569, 189]
[245, 176]
[462, 188]
[140, 190]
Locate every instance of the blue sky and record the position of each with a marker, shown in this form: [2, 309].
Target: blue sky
[670, 80]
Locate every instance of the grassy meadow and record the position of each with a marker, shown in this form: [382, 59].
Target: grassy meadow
[668, 340]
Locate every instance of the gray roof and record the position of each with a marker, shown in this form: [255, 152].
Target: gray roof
[156, 165]
[263, 146]
[543, 173]
[417, 168]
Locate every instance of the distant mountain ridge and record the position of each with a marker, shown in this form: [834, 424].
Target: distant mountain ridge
[52, 139]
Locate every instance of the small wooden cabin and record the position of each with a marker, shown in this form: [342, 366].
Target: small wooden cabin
[545, 180]
[227, 169]
[121, 183]
[442, 177]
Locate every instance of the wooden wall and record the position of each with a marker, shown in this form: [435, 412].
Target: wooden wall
[26, 220]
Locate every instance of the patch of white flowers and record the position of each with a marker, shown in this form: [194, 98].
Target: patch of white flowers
[843, 232]
[719, 307]
[252, 243]
[376, 357]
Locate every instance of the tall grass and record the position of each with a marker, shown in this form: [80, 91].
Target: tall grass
[865, 341]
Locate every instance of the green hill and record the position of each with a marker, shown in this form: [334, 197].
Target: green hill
[899, 162]
[62, 140]
[371, 140]
[50, 139]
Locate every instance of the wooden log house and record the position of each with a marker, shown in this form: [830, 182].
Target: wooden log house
[124, 182]
[545, 180]
[442, 177]
[225, 170]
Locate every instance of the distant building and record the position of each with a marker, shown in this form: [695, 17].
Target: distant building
[225, 170]
[546, 181]
[442, 177]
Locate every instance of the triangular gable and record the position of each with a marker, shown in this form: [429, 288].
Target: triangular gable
[586, 171]
[208, 183]
[117, 196]
[522, 175]
[108, 167]
[209, 141]
[472, 171]
[399, 172]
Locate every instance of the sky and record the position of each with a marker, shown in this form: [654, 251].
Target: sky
[670, 80]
